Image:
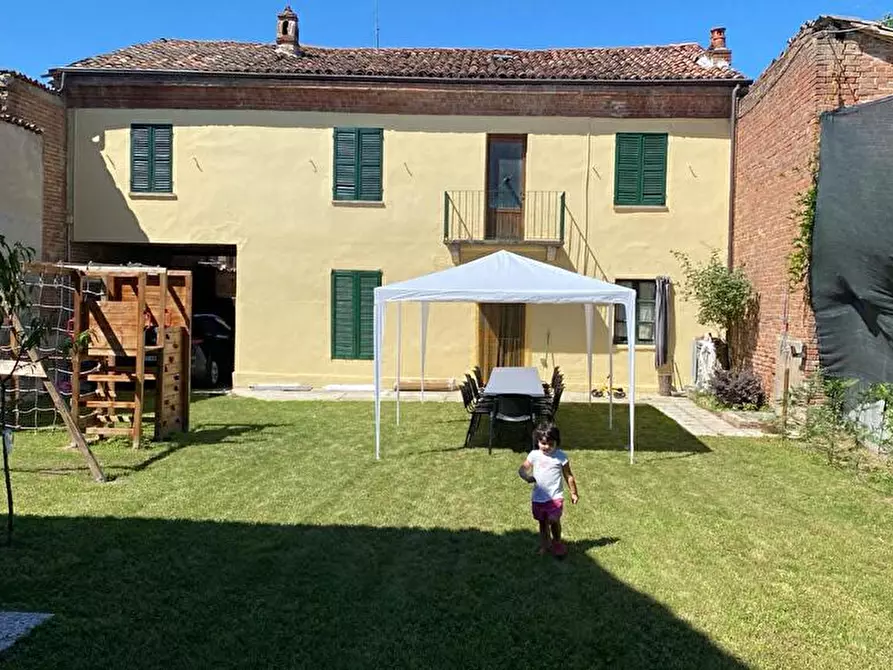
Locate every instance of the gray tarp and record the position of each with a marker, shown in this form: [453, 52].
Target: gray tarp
[852, 251]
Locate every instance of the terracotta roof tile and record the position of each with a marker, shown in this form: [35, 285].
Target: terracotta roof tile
[654, 63]
[16, 121]
[22, 77]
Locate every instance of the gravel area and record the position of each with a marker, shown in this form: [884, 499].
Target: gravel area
[14, 625]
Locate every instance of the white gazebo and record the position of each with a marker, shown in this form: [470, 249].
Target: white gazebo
[504, 277]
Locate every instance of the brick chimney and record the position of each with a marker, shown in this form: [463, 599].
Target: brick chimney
[287, 32]
[717, 50]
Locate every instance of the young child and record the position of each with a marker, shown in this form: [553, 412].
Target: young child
[548, 464]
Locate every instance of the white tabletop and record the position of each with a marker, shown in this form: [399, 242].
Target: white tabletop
[521, 381]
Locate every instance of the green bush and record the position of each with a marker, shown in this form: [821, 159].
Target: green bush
[722, 295]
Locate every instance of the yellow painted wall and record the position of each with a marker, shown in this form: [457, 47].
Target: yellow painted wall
[21, 186]
[263, 182]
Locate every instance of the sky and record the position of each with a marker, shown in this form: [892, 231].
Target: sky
[35, 36]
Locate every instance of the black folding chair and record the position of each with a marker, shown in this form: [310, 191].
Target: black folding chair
[478, 375]
[513, 409]
[475, 409]
[473, 385]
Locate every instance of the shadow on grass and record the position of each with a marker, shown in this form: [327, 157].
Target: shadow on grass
[205, 434]
[146, 593]
[585, 428]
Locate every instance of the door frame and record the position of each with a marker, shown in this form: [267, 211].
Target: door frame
[522, 138]
[525, 352]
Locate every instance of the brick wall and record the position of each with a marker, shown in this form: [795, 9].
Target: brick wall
[35, 103]
[776, 144]
[632, 101]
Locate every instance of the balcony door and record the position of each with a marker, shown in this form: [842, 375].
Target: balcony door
[506, 159]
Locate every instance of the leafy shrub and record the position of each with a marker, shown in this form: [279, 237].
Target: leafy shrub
[722, 295]
[738, 389]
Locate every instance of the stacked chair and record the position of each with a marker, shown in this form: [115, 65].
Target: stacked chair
[475, 404]
[548, 407]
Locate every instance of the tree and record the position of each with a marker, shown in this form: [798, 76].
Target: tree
[887, 21]
[14, 301]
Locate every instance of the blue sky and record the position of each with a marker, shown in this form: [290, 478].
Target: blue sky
[36, 36]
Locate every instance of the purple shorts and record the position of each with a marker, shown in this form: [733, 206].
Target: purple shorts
[548, 511]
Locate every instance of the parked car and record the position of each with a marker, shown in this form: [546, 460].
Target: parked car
[213, 350]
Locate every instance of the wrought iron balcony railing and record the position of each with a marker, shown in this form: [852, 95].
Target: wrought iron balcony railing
[504, 216]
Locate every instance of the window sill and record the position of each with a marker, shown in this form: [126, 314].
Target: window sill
[148, 195]
[373, 204]
[632, 209]
[639, 347]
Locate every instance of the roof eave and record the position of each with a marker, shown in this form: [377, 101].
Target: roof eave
[724, 81]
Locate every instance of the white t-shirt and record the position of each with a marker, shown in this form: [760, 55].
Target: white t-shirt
[547, 471]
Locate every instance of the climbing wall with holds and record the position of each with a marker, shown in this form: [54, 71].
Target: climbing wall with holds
[172, 412]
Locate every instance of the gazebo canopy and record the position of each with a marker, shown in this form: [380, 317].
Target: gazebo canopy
[504, 277]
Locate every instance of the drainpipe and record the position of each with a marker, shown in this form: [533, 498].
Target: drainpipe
[733, 124]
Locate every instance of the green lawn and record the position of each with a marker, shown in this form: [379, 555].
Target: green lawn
[269, 537]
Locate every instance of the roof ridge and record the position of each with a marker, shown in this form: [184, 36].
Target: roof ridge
[189, 40]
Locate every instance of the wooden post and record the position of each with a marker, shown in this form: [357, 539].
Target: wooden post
[14, 346]
[76, 326]
[62, 408]
[160, 338]
[186, 354]
[784, 401]
[140, 377]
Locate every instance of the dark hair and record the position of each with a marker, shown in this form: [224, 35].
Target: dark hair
[548, 432]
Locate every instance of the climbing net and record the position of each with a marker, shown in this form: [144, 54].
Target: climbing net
[51, 296]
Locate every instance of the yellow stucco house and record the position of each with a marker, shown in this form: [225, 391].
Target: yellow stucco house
[329, 171]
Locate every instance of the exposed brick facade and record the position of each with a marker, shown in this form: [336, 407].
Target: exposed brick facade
[595, 100]
[827, 65]
[39, 105]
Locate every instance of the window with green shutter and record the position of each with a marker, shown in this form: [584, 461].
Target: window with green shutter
[640, 169]
[645, 302]
[358, 164]
[353, 305]
[151, 158]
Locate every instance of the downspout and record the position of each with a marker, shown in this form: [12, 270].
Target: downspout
[70, 133]
[733, 124]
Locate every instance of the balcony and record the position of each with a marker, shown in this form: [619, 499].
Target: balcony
[503, 218]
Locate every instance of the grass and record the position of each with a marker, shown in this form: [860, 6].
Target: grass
[269, 537]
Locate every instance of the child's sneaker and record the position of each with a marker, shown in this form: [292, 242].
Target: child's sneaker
[559, 550]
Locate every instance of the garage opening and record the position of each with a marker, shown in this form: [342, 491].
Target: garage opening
[213, 269]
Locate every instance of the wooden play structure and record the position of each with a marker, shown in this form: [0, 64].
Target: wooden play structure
[131, 331]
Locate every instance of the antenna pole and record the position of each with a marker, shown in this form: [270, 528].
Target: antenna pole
[376, 30]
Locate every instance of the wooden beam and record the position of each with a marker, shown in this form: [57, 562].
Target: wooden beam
[76, 328]
[160, 334]
[64, 412]
[140, 384]
[186, 355]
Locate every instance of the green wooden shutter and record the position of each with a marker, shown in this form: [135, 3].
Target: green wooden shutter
[140, 158]
[162, 159]
[344, 331]
[627, 172]
[368, 282]
[370, 164]
[344, 181]
[654, 169]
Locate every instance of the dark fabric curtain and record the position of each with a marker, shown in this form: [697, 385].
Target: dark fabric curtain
[661, 321]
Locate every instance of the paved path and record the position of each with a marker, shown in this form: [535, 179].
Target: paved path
[698, 421]
[687, 414]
